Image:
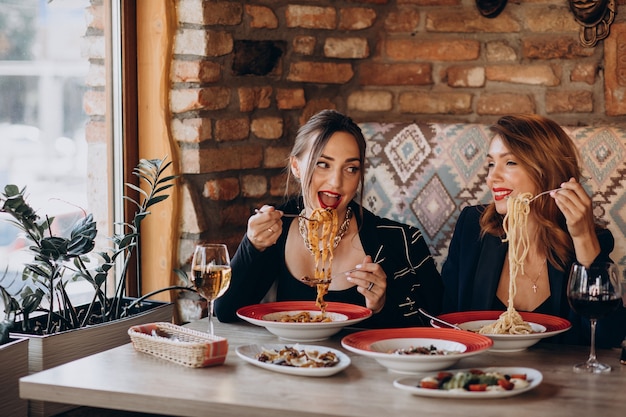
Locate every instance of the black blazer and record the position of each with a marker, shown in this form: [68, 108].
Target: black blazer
[472, 271]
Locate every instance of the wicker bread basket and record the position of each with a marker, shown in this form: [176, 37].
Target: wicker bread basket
[178, 344]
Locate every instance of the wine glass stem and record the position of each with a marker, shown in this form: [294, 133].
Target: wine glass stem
[592, 352]
[210, 306]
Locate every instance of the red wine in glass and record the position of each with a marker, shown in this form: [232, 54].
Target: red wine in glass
[594, 292]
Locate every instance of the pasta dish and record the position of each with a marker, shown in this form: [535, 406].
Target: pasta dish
[322, 229]
[515, 227]
[304, 317]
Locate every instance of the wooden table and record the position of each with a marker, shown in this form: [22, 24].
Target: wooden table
[124, 379]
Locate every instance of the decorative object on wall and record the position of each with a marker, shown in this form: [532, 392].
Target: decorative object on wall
[595, 18]
[490, 8]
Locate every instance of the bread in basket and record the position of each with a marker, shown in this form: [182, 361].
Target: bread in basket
[179, 344]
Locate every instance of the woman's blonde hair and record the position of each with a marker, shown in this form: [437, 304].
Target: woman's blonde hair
[550, 157]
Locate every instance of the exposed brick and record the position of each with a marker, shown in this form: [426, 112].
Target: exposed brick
[276, 156]
[528, 74]
[195, 161]
[96, 76]
[222, 189]
[191, 130]
[304, 45]
[395, 74]
[370, 101]
[469, 20]
[94, 102]
[203, 42]
[431, 50]
[435, 103]
[290, 98]
[500, 51]
[311, 17]
[320, 72]
[431, 2]
[222, 13]
[195, 71]
[267, 127]
[554, 47]
[93, 47]
[232, 129]
[189, 219]
[403, 19]
[262, 17]
[253, 186]
[251, 98]
[465, 76]
[549, 19]
[96, 132]
[504, 103]
[212, 98]
[569, 102]
[95, 17]
[350, 48]
[315, 106]
[584, 72]
[356, 18]
[278, 185]
[615, 70]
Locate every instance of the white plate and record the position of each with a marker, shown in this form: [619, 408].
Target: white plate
[410, 384]
[248, 353]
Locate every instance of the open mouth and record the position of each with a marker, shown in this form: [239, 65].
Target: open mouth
[328, 199]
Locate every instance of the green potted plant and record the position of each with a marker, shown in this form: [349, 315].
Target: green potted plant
[41, 301]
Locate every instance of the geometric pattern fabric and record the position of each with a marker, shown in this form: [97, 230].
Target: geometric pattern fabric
[424, 174]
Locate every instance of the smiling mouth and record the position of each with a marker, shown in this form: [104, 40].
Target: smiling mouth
[328, 200]
[501, 194]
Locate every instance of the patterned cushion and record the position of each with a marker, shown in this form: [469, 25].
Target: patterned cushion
[423, 174]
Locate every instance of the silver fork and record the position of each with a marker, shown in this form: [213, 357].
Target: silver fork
[582, 181]
[256, 211]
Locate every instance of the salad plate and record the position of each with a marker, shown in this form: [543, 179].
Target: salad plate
[412, 385]
[249, 354]
[340, 315]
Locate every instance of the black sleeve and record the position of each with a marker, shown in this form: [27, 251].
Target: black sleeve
[253, 273]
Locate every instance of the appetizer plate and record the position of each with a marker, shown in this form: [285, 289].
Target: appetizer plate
[544, 326]
[341, 314]
[379, 344]
[411, 384]
[249, 352]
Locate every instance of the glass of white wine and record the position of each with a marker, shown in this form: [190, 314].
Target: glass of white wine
[210, 273]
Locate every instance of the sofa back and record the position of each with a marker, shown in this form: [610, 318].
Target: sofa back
[424, 174]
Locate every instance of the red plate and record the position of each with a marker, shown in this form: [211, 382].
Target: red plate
[363, 340]
[551, 323]
[257, 311]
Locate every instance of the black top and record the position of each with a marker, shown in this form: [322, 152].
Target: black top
[412, 277]
[472, 271]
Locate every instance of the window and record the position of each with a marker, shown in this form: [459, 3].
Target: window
[55, 122]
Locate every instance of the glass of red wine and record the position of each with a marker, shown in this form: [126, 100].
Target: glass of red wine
[594, 292]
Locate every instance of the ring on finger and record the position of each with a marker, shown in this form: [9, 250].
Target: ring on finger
[369, 287]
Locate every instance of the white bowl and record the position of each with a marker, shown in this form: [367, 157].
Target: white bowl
[379, 344]
[543, 326]
[342, 315]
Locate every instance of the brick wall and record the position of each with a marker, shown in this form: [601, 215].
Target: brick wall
[246, 74]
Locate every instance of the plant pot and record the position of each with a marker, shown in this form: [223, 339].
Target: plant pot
[48, 351]
[14, 365]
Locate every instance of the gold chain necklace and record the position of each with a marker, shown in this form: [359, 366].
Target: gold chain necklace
[304, 231]
[534, 281]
